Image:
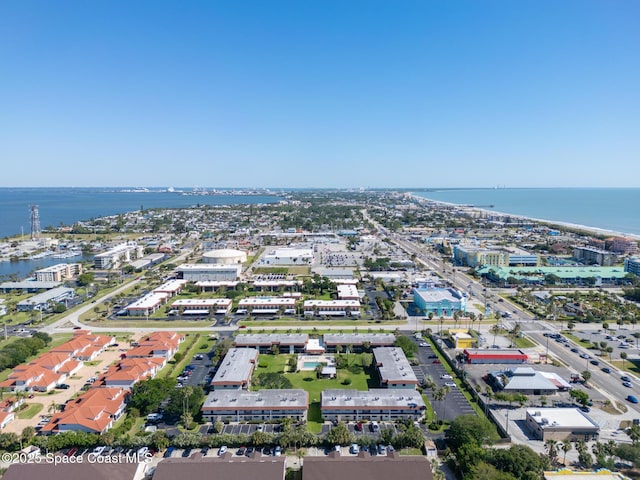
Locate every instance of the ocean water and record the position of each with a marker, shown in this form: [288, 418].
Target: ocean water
[69, 205]
[615, 209]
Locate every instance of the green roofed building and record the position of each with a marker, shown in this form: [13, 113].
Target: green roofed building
[588, 275]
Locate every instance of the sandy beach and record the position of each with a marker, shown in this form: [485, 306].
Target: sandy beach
[575, 226]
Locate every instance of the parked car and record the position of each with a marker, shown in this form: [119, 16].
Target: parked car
[445, 376]
[374, 427]
[63, 386]
[450, 384]
[632, 399]
[354, 448]
[277, 451]
[222, 450]
[606, 370]
[241, 451]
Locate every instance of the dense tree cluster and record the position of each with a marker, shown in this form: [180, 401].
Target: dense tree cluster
[468, 436]
[147, 395]
[20, 350]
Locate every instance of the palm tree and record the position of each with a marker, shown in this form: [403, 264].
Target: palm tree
[552, 450]
[634, 433]
[495, 330]
[566, 447]
[623, 356]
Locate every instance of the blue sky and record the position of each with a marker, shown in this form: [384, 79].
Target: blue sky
[320, 93]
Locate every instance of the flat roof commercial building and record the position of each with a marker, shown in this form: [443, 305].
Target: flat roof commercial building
[235, 370]
[495, 355]
[565, 274]
[288, 256]
[561, 424]
[264, 342]
[394, 368]
[234, 406]
[348, 308]
[348, 292]
[199, 272]
[442, 302]
[377, 404]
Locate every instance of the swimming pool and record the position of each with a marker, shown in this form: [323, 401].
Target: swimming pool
[311, 364]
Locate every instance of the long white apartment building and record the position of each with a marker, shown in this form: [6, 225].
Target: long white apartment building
[394, 369]
[265, 405]
[267, 305]
[202, 306]
[235, 370]
[349, 308]
[376, 404]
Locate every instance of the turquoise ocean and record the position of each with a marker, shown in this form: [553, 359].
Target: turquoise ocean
[614, 209]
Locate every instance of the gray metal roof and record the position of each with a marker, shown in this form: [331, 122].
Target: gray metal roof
[236, 367]
[393, 365]
[267, 399]
[372, 399]
[268, 339]
[358, 338]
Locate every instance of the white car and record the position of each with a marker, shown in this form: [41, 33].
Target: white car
[445, 376]
[450, 384]
[223, 450]
[424, 344]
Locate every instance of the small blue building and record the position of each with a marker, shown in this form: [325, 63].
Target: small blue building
[443, 302]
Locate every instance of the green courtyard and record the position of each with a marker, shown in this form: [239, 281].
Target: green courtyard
[352, 375]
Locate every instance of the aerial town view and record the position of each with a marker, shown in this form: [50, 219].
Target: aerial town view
[251, 240]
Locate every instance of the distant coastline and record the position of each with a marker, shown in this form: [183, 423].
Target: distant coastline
[580, 200]
[560, 224]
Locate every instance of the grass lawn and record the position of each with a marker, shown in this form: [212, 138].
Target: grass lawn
[524, 342]
[31, 411]
[576, 339]
[361, 379]
[294, 322]
[177, 324]
[628, 365]
[187, 348]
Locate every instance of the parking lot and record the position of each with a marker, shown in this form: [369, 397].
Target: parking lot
[455, 403]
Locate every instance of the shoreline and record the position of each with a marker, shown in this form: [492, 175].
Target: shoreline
[574, 226]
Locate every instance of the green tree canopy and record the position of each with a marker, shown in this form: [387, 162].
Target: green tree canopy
[467, 429]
